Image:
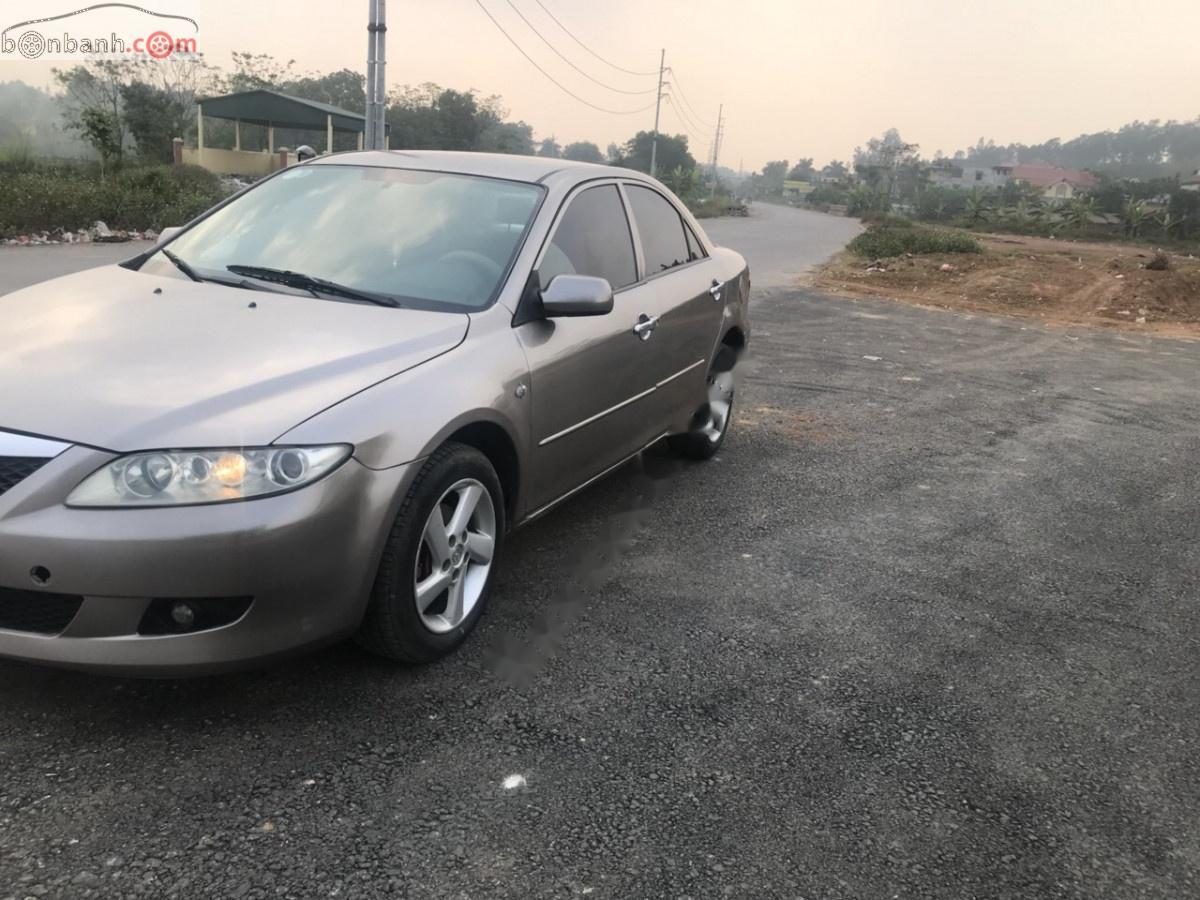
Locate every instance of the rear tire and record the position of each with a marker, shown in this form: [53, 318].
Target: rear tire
[711, 422]
[431, 590]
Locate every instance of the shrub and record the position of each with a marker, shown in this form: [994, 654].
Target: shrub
[73, 197]
[886, 220]
[882, 241]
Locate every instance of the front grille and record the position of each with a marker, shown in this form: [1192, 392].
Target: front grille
[15, 469]
[37, 611]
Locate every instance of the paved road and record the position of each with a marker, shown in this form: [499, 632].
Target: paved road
[22, 266]
[927, 628]
[780, 242]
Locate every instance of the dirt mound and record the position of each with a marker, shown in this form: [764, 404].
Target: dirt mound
[1054, 280]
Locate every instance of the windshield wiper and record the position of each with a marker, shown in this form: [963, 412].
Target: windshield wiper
[312, 283]
[181, 265]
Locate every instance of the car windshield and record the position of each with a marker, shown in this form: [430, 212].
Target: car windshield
[426, 239]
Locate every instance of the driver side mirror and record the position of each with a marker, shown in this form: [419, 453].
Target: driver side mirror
[577, 295]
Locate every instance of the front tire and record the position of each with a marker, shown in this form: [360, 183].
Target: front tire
[440, 559]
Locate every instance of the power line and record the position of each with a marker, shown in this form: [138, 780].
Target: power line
[565, 90]
[585, 46]
[684, 125]
[561, 56]
[675, 86]
[681, 113]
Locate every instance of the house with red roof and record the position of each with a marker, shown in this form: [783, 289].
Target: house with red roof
[1057, 185]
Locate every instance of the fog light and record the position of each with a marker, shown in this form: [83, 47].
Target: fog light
[183, 615]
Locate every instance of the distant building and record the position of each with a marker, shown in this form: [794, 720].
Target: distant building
[1057, 185]
[1193, 183]
[948, 173]
[797, 190]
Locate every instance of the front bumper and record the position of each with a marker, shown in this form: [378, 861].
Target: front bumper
[307, 559]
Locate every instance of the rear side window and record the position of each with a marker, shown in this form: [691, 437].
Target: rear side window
[661, 229]
[593, 239]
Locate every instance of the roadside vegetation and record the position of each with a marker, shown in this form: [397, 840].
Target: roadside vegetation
[1138, 190]
[892, 237]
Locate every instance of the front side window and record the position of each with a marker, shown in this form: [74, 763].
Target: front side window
[592, 239]
[425, 239]
[661, 229]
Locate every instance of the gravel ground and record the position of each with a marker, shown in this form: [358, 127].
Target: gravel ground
[926, 628]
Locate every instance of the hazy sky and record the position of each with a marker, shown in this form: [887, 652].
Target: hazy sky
[797, 78]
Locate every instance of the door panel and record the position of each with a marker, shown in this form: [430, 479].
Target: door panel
[592, 377]
[689, 305]
[688, 332]
[592, 381]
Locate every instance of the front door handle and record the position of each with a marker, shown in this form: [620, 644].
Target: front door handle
[645, 326]
[715, 290]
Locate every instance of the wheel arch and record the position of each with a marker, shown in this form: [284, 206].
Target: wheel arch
[493, 441]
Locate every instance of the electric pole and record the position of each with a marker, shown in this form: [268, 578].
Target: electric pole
[716, 147]
[375, 129]
[662, 63]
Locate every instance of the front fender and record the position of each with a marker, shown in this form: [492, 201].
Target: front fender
[406, 417]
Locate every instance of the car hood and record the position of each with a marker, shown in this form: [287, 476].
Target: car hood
[128, 361]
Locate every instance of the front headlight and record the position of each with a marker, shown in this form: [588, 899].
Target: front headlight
[190, 477]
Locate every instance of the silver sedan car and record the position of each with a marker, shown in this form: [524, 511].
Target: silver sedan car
[317, 410]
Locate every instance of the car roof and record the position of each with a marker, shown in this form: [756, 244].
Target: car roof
[490, 165]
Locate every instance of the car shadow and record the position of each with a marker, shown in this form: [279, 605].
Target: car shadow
[548, 567]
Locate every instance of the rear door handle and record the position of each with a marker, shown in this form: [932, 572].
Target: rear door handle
[715, 290]
[645, 326]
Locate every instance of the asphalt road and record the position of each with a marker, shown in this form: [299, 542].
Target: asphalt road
[926, 628]
[23, 266]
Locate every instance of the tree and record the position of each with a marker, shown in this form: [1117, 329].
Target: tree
[836, 170]
[92, 106]
[881, 163]
[506, 137]
[345, 88]
[153, 117]
[101, 129]
[258, 71]
[773, 176]
[802, 171]
[672, 153]
[550, 147]
[583, 151]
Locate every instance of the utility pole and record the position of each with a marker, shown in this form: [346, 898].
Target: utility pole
[662, 64]
[375, 128]
[716, 149]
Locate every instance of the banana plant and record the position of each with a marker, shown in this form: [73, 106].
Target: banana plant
[979, 207]
[1078, 213]
[1136, 216]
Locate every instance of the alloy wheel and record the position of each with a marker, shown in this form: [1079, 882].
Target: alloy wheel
[455, 556]
[720, 404]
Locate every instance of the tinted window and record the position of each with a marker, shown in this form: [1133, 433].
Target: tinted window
[695, 250]
[661, 230]
[593, 238]
[430, 239]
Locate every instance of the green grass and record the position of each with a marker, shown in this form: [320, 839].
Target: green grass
[887, 240]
